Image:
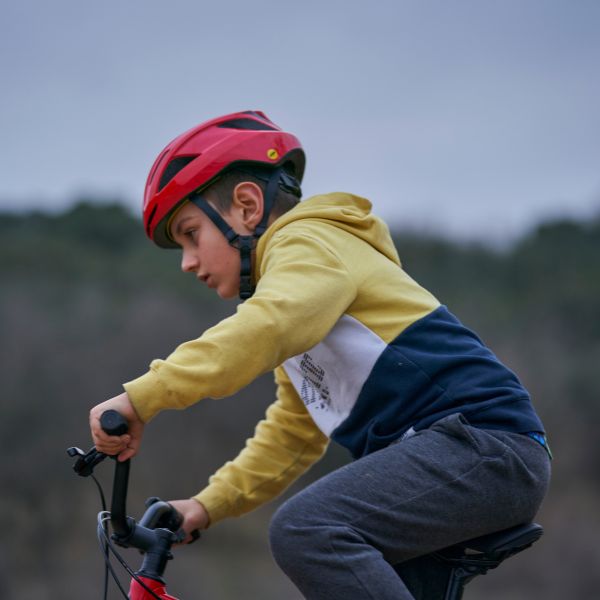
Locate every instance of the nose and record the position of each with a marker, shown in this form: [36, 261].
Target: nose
[189, 261]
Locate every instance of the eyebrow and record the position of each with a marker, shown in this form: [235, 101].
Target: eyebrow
[181, 223]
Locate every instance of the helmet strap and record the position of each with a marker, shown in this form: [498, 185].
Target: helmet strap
[215, 217]
[244, 243]
[269, 201]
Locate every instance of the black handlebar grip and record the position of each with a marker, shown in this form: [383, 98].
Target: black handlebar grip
[113, 423]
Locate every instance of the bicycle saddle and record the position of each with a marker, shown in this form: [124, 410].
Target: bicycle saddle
[504, 543]
[445, 573]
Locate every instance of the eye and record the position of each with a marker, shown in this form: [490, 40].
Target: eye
[191, 234]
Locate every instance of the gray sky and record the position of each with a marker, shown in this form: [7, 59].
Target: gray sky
[475, 117]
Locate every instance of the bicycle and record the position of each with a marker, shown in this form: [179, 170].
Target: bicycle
[441, 575]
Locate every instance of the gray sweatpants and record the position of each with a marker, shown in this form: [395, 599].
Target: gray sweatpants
[339, 537]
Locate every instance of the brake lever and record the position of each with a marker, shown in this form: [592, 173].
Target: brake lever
[86, 461]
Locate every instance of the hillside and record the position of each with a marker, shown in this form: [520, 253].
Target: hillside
[85, 304]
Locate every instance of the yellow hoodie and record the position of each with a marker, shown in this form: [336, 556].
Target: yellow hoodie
[353, 342]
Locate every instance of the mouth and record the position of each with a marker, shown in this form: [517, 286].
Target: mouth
[206, 279]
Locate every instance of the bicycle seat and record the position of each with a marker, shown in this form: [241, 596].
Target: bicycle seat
[445, 573]
[503, 543]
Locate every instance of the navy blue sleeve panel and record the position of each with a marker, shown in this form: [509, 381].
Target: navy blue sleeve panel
[434, 368]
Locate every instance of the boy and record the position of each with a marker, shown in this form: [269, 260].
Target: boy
[447, 443]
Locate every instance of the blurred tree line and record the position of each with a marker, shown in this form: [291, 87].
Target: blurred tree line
[85, 304]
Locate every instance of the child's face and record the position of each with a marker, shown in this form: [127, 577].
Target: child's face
[205, 250]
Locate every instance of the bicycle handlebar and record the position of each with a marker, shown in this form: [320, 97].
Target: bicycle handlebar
[160, 526]
[158, 529]
[113, 423]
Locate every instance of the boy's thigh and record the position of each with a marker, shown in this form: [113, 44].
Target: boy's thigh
[443, 485]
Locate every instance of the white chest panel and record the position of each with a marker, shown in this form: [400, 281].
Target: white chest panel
[330, 376]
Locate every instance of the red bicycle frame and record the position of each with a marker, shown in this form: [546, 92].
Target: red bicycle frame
[137, 592]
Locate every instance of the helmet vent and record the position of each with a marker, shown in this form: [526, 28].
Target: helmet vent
[173, 168]
[250, 124]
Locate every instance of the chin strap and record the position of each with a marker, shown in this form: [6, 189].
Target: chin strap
[246, 243]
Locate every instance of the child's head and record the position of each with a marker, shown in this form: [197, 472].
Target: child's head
[218, 154]
[207, 165]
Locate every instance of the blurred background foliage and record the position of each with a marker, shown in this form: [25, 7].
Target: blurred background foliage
[85, 304]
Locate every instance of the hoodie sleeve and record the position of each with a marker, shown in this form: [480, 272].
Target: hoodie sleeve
[285, 444]
[304, 289]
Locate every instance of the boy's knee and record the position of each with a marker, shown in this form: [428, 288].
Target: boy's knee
[294, 534]
[282, 531]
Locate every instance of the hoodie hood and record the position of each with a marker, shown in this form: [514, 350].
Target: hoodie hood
[345, 211]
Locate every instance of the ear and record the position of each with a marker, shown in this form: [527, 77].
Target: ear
[248, 204]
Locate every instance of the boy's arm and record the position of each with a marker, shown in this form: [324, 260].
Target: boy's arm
[304, 289]
[284, 446]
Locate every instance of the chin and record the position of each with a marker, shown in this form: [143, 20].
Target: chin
[227, 294]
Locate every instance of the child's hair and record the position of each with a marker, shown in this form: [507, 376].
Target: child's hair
[220, 192]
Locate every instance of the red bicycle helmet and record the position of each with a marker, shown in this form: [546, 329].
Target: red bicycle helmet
[196, 158]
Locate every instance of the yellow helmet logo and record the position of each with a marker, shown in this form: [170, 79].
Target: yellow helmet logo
[273, 154]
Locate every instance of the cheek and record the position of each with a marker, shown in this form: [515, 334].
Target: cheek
[230, 257]
[221, 258]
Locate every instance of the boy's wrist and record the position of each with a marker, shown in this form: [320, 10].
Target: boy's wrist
[203, 515]
[214, 504]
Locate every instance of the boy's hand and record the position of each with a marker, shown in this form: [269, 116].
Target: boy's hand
[194, 516]
[127, 445]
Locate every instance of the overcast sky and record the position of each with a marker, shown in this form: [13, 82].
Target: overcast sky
[475, 117]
